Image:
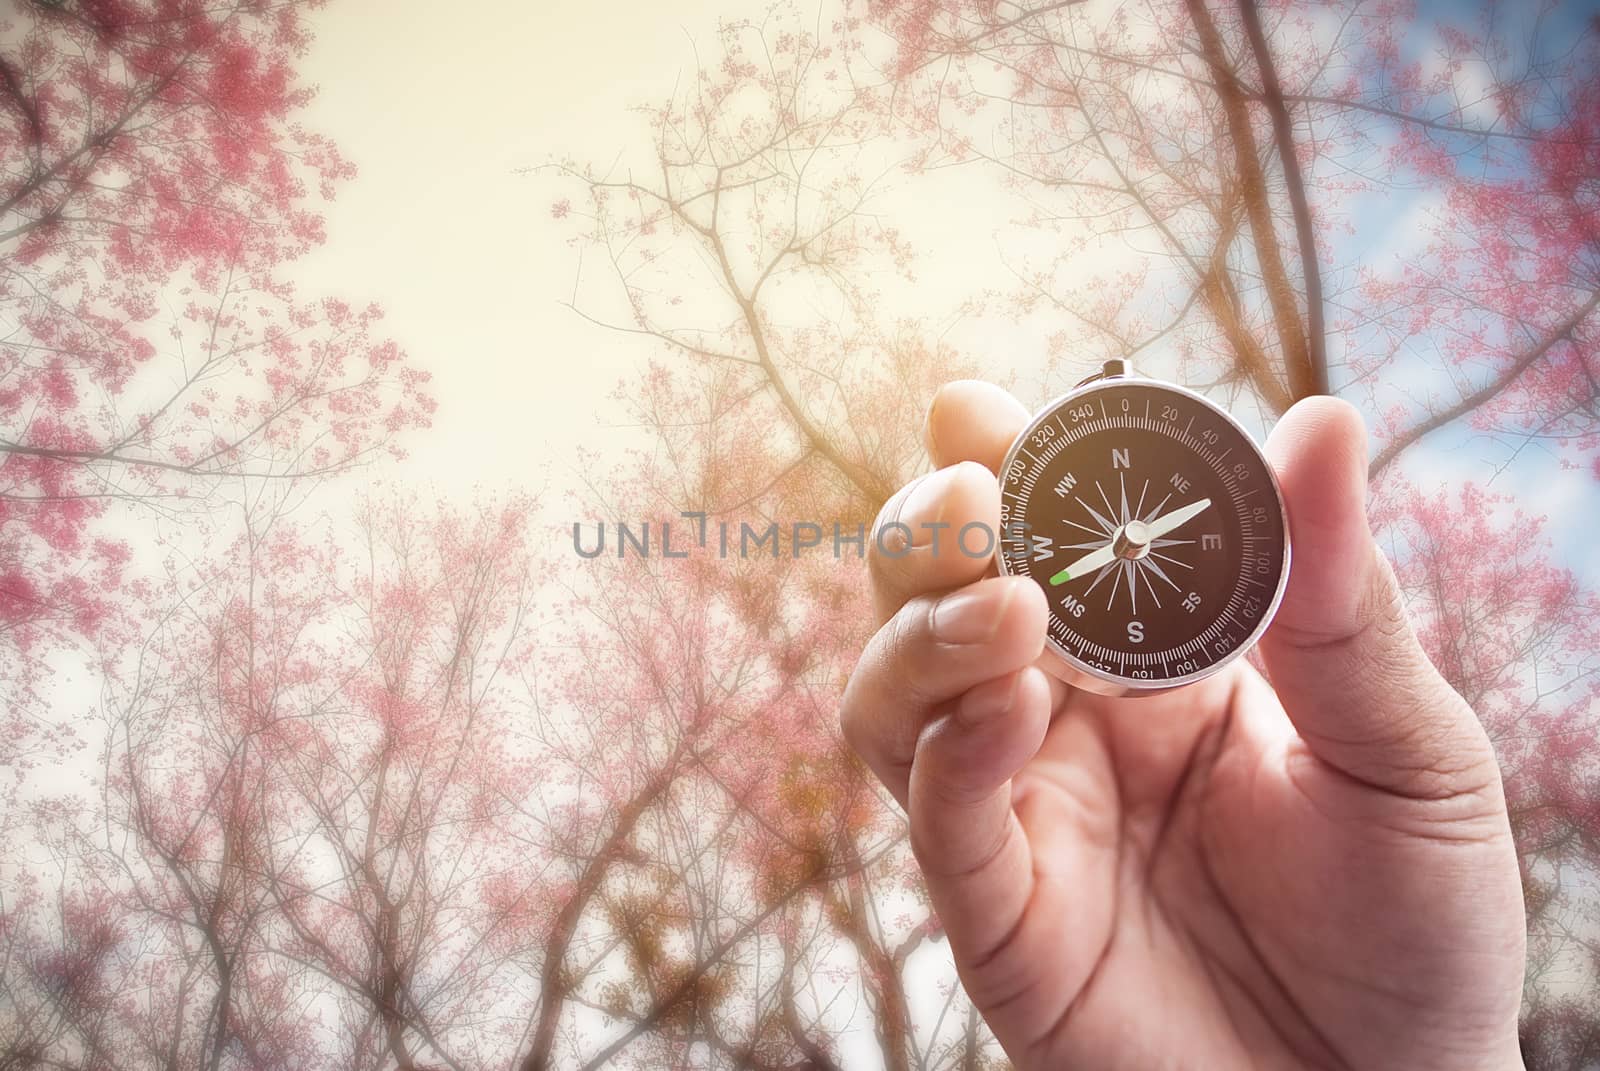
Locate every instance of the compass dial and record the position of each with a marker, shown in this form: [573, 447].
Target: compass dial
[1155, 527]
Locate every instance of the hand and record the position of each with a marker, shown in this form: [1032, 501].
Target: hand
[1316, 873]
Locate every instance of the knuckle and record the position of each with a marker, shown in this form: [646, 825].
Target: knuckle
[887, 549]
[849, 721]
[883, 551]
[933, 851]
[887, 674]
[906, 641]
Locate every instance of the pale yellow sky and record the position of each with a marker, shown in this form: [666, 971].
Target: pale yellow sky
[439, 113]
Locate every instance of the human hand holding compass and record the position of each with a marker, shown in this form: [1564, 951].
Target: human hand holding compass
[1316, 872]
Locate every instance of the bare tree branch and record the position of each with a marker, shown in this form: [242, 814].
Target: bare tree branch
[1305, 233]
[1436, 420]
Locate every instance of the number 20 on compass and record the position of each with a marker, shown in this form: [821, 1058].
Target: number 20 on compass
[1155, 526]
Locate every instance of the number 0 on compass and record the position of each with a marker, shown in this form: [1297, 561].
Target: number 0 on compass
[1154, 525]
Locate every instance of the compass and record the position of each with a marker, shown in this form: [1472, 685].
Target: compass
[1155, 527]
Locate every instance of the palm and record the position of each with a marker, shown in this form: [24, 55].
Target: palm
[1223, 897]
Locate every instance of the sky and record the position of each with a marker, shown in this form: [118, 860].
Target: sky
[448, 228]
[440, 115]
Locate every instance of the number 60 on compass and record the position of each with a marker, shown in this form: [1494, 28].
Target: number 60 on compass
[1155, 526]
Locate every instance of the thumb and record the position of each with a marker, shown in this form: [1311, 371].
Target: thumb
[1341, 652]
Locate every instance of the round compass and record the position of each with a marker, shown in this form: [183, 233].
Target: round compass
[1154, 525]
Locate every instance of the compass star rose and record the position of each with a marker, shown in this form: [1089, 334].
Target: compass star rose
[1129, 543]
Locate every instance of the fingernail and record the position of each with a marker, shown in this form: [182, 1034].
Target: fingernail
[973, 615]
[989, 700]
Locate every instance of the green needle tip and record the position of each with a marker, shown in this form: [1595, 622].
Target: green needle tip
[1061, 578]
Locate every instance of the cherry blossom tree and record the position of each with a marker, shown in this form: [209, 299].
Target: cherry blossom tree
[1207, 128]
[398, 780]
[651, 915]
[300, 811]
[155, 366]
[170, 858]
[153, 175]
[767, 170]
[1516, 635]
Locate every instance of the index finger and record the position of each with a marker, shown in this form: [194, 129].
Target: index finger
[919, 546]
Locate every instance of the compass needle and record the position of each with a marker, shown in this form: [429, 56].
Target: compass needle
[1171, 522]
[1158, 508]
[1092, 560]
[1206, 539]
[1101, 575]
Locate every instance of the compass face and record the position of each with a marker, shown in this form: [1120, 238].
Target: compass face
[1155, 527]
